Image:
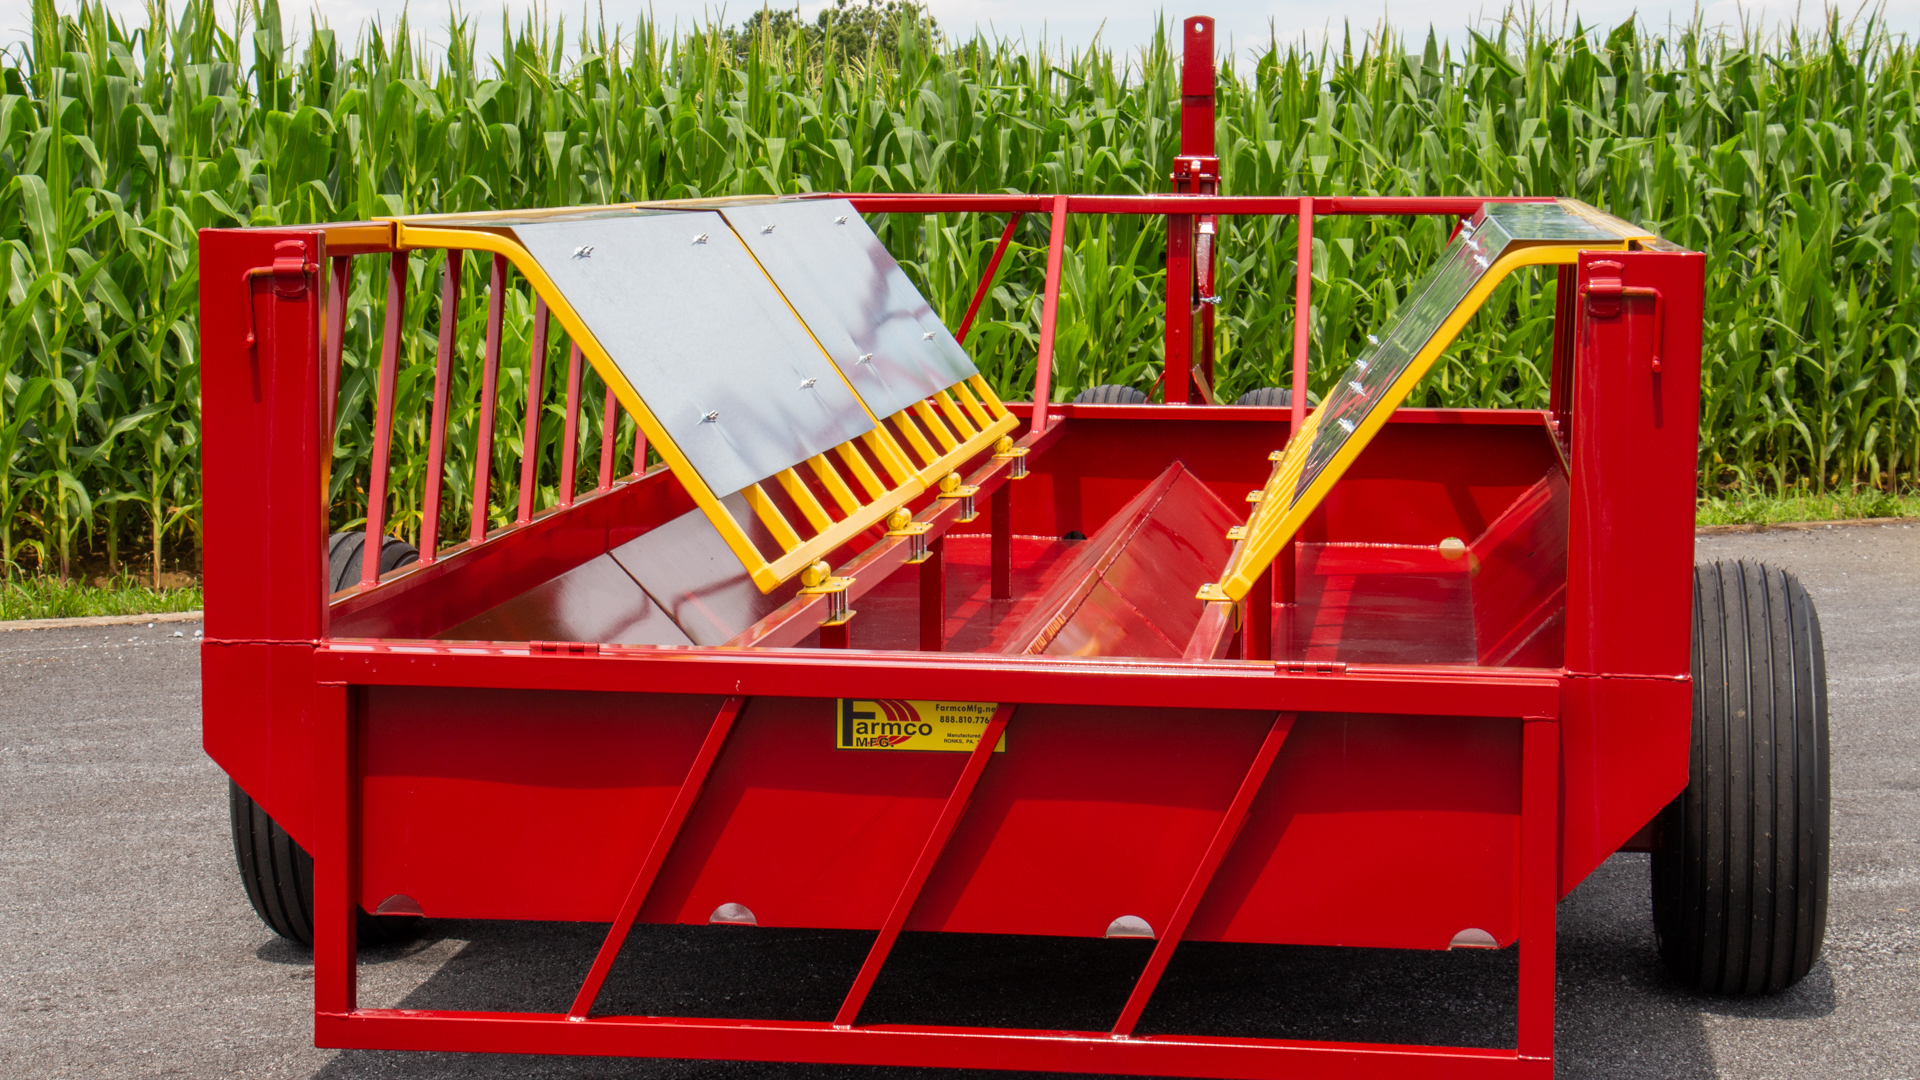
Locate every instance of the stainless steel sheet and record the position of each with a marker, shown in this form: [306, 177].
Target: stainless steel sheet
[1429, 302]
[855, 298]
[704, 338]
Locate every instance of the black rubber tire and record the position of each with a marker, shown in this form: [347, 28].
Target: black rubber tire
[1741, 862]
[1111, 394]
[278, 875]
[344, 554]
[1271, 397]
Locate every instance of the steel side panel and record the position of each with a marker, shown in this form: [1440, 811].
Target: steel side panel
[518, 805]
[257, 724]
[850, 292]
[539, 805]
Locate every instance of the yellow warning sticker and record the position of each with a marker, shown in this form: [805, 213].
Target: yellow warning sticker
[914, 725]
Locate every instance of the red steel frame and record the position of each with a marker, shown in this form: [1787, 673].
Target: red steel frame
[1596, 737]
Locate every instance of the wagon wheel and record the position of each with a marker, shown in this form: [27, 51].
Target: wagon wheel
[1740, 870]
[344, 554]
[1110, 394]
[278, 875]
[1271, 397]
[276, 870]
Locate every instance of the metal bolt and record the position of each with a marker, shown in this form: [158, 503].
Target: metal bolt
[584, 251]
[1371, 340]
[865, 358]
[701, 239]
[928, 336]
[1346, 425]
[841, 220]
[1214, 300]
[711, 417]
[807, 384]
[765, 229]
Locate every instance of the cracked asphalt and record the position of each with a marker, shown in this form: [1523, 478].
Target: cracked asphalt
[127, 947]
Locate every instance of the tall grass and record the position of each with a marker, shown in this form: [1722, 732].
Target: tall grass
[1789, 159]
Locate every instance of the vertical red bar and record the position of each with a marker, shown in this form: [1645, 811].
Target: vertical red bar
[1256, 625]
[1302, 311]
[437, 433]
[1196, 87]
[336, 851]
[1539, 883]
[1566, 312]
[530, 434]
[383, 418]
[1000, 545]
[986, 280]
[1049, 315]
[340, 281]
[933, 598]
[609, 435]
[570, 446]
[639, 449]
[1177, 374]
[929, 854]
[489, 390]
[837, 636]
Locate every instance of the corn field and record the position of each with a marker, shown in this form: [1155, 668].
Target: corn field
[1788, 158]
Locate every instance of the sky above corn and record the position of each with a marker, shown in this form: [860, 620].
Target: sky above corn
[1243, 24]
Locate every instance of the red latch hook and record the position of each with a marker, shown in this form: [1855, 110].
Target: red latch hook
[1605, 287]
[289, 271]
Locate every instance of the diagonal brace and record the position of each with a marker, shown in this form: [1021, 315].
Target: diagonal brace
[929, 854]
[663, 839]
[1223, 838]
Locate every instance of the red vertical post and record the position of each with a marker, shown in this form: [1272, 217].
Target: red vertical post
[837, 636]
[1256, 624]
[933, 597]
[1198, 172]
[1000, 547]
[489, 390]
[530, 434]
[1566, 313]
[1539, 883]
[340, 280]
[1177, 373]
[336, 852]
[609, 434]
[639, 450]
[437, 430]
[986, 280]
[383, 418]
[1049, 315]
[1302, 310]
[570, 446]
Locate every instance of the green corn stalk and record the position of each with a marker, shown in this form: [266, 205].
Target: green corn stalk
[1787, 158]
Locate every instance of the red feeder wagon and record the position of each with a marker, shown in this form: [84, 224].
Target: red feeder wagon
[872, 650]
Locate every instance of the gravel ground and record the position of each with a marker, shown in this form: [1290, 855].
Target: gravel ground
[127, 947]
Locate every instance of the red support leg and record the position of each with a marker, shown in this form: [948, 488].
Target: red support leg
[1223, 838]
[1256, 624]
[383, 419]
[336, 863]
[933, 598]
[1539, 887]
[929, 854]
[1000, 517]
[663, 839]
[837, 636]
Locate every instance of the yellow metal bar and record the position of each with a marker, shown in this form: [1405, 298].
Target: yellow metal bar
[836, 485]
[955, 416]
[771, 517]
[915, 437]
[802, 497]
[1278, 514]
[900, 468]
[941, 435]
[987, 396]
[863, 472]
[973, 406]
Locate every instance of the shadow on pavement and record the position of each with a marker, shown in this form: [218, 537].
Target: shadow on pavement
[1618, 1015]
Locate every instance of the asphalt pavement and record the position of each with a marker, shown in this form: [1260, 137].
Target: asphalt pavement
[127, 947]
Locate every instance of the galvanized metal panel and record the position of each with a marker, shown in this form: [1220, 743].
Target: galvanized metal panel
[855, 298]
[704, 338]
